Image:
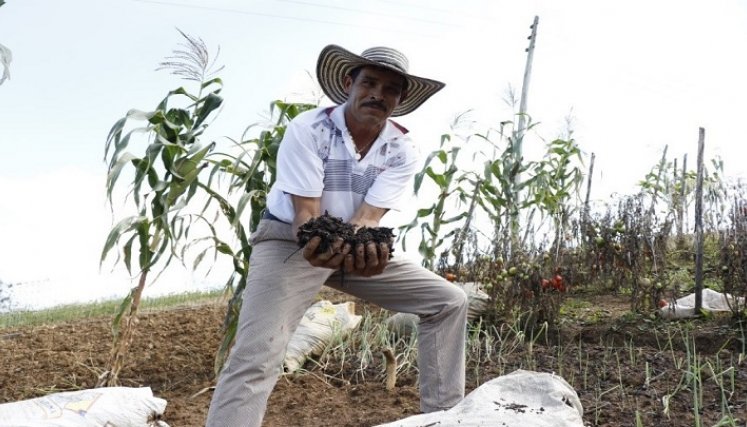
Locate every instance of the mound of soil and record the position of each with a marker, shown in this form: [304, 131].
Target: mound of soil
[173, 353]
[330, 228]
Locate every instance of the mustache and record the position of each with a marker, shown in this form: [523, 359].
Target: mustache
[375, 104]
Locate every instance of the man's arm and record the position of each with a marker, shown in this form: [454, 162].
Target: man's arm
[309, 207]
[367, 215]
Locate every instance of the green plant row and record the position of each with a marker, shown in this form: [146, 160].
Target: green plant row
[108, 308]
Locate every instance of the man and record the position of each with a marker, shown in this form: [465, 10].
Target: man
[355, 163]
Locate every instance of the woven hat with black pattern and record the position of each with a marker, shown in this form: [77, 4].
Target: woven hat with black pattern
[335, 63]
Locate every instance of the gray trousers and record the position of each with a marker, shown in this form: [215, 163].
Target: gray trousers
[280, 289]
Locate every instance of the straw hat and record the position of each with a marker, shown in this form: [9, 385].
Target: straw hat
[335, 63]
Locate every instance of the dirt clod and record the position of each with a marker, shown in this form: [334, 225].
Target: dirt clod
[330, 228]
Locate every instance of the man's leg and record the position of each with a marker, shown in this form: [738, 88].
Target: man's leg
[409, 288]
[279, 289]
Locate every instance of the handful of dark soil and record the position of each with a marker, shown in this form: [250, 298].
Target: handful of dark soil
[329, 228]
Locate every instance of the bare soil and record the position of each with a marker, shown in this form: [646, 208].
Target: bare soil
[173, 353]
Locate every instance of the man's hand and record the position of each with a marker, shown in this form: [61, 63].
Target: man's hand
[331, 258]
[368, 260]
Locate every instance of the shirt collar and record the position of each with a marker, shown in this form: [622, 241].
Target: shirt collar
[392, 130]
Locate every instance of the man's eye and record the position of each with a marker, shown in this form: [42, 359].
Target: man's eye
[392, 90]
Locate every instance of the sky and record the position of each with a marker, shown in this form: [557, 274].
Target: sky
[633, 76]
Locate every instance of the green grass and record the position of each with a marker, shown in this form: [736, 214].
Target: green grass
[103, 308]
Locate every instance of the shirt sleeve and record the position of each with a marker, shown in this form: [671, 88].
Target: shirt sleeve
[300, 170]
[394, 184]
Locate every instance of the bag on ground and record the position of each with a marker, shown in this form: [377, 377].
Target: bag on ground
[521, 398]
[321, 322]
[111, 406]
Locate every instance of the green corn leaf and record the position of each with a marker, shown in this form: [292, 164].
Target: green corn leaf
[198, 259]
[143, 233]
[127, 250]
[115, 170]
[114, 135]
[215, 81]
[241, 205]
[425, 227]
[229, 333]
[178, 185]
[440, 180]
[210, 103]
[124, 307]
[122, 227]
[425, 212]
[223, 248]
[179, 118]
[442, 156]
[454, 218]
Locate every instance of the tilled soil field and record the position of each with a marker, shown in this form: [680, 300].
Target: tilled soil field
[617, 369]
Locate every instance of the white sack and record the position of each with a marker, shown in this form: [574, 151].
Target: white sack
[712, 301]
[519, 399]
[318, 326]
[478, 300]
[110, 406]
[404, 324]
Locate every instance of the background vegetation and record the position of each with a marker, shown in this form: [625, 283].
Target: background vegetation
[521, 227]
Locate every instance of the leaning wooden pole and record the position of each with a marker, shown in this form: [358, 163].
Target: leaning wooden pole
[699, 225]
[525, 85]
[588, 190]
[517, 150]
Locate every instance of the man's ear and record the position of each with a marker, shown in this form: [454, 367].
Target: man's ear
[347, 82]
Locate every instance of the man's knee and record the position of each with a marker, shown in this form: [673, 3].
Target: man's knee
[457, 298]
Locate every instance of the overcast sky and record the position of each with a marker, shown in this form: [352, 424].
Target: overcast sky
[634, 75]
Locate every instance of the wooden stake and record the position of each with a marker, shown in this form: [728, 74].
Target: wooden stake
[525, 84]
[699, 225]
[588, 189]
[391, 368]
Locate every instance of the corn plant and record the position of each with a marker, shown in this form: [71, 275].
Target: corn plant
[166, 178]
[557, 183]
[446, 177]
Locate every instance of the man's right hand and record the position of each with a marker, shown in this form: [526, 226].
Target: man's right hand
[331, 258]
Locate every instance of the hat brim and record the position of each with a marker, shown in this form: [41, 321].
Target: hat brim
[335, 63]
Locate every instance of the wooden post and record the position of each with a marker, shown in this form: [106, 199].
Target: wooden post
[585, 218]
[513, 221]
[527, 73]
[699, 225]
[674, 208]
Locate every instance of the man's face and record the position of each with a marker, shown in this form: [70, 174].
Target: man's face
[373, 95]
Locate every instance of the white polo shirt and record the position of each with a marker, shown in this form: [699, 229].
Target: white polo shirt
[317, 159]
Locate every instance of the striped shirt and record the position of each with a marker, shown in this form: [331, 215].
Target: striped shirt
[317, 158]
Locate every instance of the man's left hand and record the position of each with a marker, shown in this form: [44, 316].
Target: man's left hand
[367, 260]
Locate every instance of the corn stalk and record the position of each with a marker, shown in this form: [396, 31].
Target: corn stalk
[166, 177]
